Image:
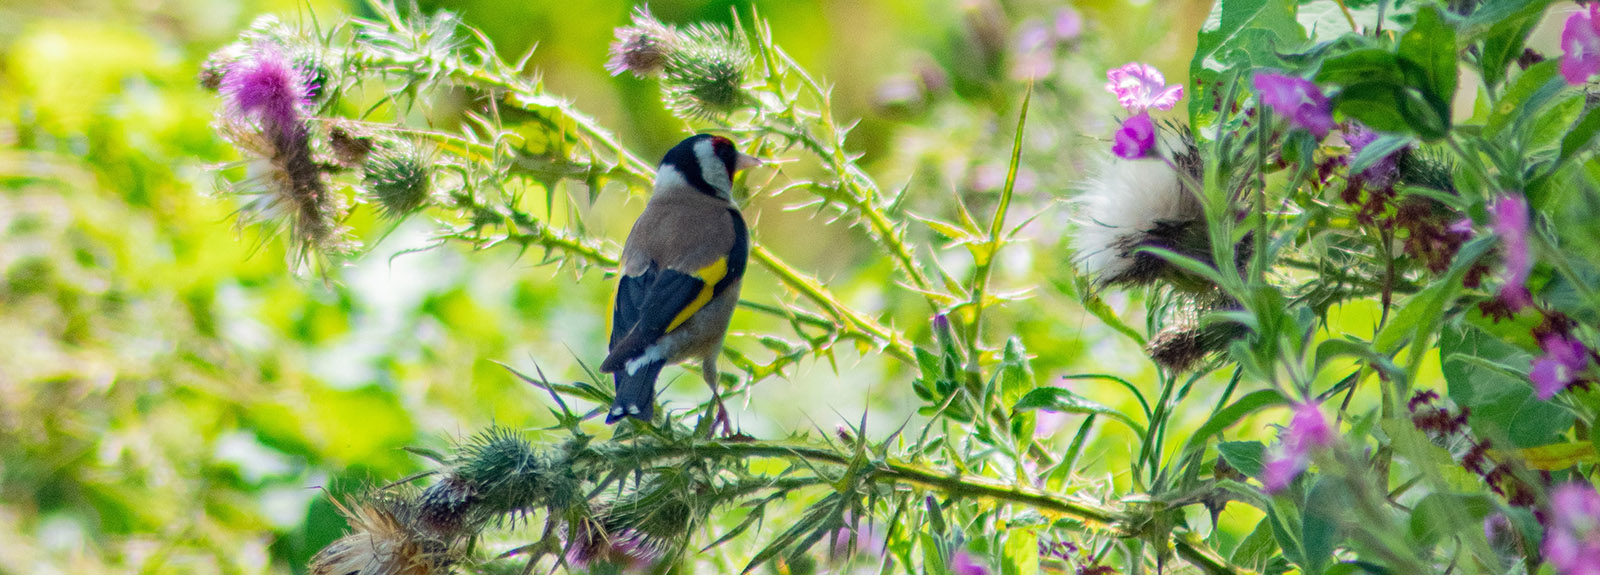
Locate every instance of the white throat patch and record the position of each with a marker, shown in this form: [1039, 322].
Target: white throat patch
[711, 168]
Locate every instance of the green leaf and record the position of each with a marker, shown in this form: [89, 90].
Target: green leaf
[1502, 405]
[1362, 65]
[1231, 414]
[1379, 149]
[1333, 348]
[1257, 548]
[1527, 93]
[1324, 512]
[1430, 46]
[1021, 553]
[1065, 401]
[1579, 137]
[1016, 377]
[1378, 105]
[1245, 456]
[1509, 23]
[1241, 32]
[1441, 514]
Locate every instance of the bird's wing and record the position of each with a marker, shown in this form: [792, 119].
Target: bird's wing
[660, 299]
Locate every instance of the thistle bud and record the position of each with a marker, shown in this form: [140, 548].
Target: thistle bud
[705, 76]
[399, 179]
[382, 541]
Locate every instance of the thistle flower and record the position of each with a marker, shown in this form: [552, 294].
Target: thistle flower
[1139, 87]
[1509, 219]
[1580, 39]
[1136, 138]
[705, 74]
[1563, 361]
[642, 48]
[1308, 430]
[963, 563]
[1297, 99]
[1572, 535]
[1380, 174]
[266, 103]
[1130, 205]
[382, 541]
[399, 179]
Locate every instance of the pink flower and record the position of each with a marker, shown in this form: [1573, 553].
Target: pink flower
[1564, 358]
[1307, 430]
[1136, 137]
[964, 564]
[264, 86]
[1581, 42]
[1068, 24]
[1139, 87]
[1297, 99]
[1509, 218]
[1035, 53]
[1572, 537]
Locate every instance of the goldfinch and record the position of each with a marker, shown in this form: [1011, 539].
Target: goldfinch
[681, 269]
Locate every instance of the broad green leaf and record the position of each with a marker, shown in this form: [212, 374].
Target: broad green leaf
[1558, 456]
[1325, 511]
[1240, 32]
[1501, 405]
[1528, 91]
[1509, 22]
[1016, 376]
[1380, 148]
[1360, 66]
[1430, 46]
[1245, 456]
[1379, 105]
[1234, 412]
[1257, 548]
[1580, 136]
[1441, 514]
[1065, 401]
[1021, 553]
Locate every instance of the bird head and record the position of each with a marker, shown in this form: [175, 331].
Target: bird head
[703, 163]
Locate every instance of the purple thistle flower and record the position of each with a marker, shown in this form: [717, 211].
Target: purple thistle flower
[1581, 42]
[1068, 24]
[643, 47]
[1136, 137]
[1307, 430]
[1509, 219]
[1297, 99]
[1139, 87]
[1564, 358]
[1572, 536]
[265, 86]
[964, 564]
[1382, 173]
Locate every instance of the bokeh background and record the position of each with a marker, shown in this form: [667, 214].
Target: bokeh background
[173, 400]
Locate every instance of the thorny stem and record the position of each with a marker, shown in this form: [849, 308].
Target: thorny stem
[1093, 516]
[812, 289]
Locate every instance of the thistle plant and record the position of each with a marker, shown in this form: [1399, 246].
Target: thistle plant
[1316, 170]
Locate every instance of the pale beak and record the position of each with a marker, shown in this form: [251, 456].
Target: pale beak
[745, 162]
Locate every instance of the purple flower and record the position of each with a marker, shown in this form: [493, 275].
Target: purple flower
[1581, 42]
[1297, 99]
[643, 47]
[1139, 87]
[265, 86]
[1572, 536]
[1564, 358]
[1136, 137]
[1307, 430]
[866, 539]
[1509, 220]
[1068, 24]
[1381, 173]
[964, 564]
[1035, 51]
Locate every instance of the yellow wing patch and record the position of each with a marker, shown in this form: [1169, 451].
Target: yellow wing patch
[710, 275]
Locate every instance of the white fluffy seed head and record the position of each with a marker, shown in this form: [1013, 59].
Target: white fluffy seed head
[1121, 204]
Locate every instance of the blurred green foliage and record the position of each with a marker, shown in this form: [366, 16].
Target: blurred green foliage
[171, 399]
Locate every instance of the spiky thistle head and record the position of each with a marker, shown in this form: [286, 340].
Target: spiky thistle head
[642, 48]
[705, 76]
[383, 540]
[494, 475]
[398, 177]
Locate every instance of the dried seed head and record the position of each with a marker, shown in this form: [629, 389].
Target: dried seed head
[642, 48]
[382, 541]
[1129, 205]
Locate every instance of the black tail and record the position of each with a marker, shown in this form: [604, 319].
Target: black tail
[636, 393]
